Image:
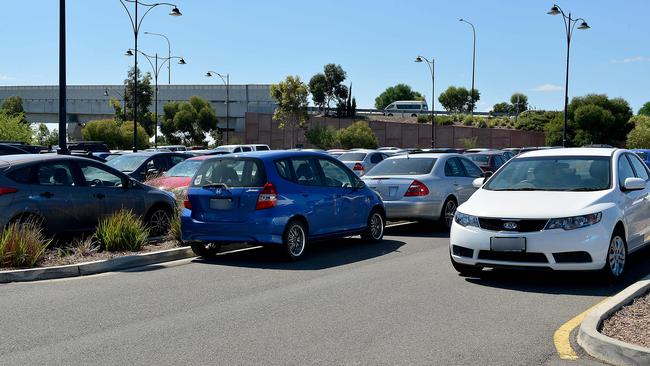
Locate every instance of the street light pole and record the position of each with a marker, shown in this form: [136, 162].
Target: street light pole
[169, 55]
[473, 62]
[432, 68]
[136, 23]
[156, 73]
[569, 26]
[63, 128]
[226, 81]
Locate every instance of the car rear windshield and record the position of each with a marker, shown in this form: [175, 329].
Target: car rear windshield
[185, 168]
[411, 166]
[353, 156]
[479, 159]
[232, 172]
[557, 173]
[127, 163]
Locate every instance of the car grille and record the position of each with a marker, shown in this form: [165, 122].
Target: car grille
[512, 256]
[522, 226]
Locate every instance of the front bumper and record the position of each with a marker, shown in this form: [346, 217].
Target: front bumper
[424, 210]
[593, 240]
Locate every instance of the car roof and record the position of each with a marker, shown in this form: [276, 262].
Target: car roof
[203, 157]
[270, 154]
[570, 151]
[152, 153]
[9, 160]
[424, 155]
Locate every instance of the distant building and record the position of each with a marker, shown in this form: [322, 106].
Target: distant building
[89, 102]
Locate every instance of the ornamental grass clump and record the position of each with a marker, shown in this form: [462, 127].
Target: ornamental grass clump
[22, 244]
[122, 231]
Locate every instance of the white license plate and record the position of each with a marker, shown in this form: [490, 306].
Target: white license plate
[221, 203]
[508, 244]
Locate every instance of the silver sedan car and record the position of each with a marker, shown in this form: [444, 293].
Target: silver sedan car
[423, 186]
[362, 160]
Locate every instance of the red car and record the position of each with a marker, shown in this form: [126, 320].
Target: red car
[180, 175]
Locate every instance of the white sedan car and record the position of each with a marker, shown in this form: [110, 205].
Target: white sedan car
[562, 209]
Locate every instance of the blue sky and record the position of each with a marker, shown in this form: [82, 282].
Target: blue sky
[519, 47]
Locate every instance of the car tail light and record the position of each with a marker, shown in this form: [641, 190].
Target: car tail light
[187, 204]
[358, 166]
[7, 190]
[268, 197]
[416, 188]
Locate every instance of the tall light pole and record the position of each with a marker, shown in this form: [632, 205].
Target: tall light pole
[432, 68]
[156, 72]
[226, 81]
[63, 126]
[121, 95]
[169, 55]
[569, 26]
[473, 61]
[136, 23]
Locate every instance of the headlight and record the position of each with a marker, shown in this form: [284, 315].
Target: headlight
[576, 222]
[466, 220]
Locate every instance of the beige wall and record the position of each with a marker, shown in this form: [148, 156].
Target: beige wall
[261, 129]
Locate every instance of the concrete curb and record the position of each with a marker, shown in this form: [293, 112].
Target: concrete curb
[89, 268]
[608, 349]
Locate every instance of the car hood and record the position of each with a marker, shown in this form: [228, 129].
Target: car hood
[534, 204]
[168, 183]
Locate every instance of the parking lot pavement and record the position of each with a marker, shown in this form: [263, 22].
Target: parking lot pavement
[347, 302]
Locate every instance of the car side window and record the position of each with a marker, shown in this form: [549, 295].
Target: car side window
[639, 167]
[624, 170]
[237, 149]
[498, 161]
[157, 163]
[453, 168]
[284, 169]
[22, 175]
[375, 158]
[305, 172]
[55, 174]
[471, 168]
[177, 159]
[335, 175]
[96, 176]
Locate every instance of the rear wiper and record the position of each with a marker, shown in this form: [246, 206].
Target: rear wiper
[215, 185]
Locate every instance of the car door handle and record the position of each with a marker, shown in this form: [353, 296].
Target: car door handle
[47, 194]
[99, 195]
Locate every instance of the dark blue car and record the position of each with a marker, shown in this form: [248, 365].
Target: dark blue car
[284, 198]
[644, 154]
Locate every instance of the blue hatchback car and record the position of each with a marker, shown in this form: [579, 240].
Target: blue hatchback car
[284, 198]
[644, 154]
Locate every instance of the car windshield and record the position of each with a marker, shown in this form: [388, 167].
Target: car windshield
[570, 173]
[353, 156]
[127, 163]
[186, 168]
[479, 158]
[231, 173]
[411, 166]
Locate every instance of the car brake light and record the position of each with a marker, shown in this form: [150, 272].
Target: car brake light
[268, 197]
[7, 190]
[358, 166]
[416, 188]
[187, 204]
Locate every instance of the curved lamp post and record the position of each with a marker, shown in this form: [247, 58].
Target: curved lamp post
[122, 96]
[136, 23]
[169, 54]
[433, 114]
[471, 93]
[569, 26]
[156, 71]
[226, 80]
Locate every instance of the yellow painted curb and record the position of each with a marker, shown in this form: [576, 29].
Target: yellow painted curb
[561, 336]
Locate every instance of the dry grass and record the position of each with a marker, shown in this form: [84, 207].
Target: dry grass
[22, 244]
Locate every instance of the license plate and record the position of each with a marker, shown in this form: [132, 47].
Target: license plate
[221, 203]
[508, 244]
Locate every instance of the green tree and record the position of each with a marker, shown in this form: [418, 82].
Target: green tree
[395, 93]
[126, 131]
[458, 99]
[323, 137]
[188, 122]
[618, 107]
[145, 98]
[291, 98]
[502, 107]
[317, 86]
[357, 135]
[535, 120]
[116, 134]
[519, 102]
[13, 106]
[593, 124]
[645, 110]
[44, 137]
[639, 137]
[554, 128]
[12, 128]
[327, 87]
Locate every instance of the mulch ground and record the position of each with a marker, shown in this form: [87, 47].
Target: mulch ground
[631, 324]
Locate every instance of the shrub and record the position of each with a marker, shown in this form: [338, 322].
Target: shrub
[468, 121]
[116, 134]
[469, 142]
[174, 233]
[22, 244]
[639, 137]
[359, 134]
[12, 128]
[440, 120]
[480, 123]
[121, 231]
[323, 137]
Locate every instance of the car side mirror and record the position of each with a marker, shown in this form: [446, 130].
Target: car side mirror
[478, 182]
[360, 184]
[633, 184]
[487, 174]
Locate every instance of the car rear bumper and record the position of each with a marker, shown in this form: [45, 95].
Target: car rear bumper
[425, 210]
[546, 249]
[257, 230]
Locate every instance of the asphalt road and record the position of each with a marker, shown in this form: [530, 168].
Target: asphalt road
[348, 303]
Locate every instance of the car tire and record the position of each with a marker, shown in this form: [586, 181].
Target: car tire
[447, 213]
[294, 239]
[414, 115]
[465, 270]
[206, 250]
[158, 220]
[616, 259]
[374, 232]
[389, 114]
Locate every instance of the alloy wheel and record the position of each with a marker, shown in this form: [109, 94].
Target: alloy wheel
[158, 222]
[450, 211]
[376, 226]
[616, 256]
[296, 240]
